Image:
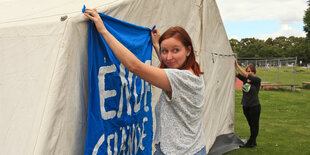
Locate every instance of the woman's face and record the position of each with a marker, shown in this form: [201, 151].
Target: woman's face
[173, 53]
[248, 70]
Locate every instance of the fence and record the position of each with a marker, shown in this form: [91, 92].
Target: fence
[274, 71]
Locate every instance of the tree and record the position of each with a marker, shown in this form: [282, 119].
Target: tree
[249, 47]
[278, 47]
[307, 21]
[235, 45]
[307, 30]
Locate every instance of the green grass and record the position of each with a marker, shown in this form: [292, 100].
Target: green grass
[285, 76]
[284, 124]
[285, 116]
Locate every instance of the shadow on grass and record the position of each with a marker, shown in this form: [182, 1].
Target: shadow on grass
[286, 89]
[307, 86]
[280, 89]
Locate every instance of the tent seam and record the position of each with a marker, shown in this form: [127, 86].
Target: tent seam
[51, 81]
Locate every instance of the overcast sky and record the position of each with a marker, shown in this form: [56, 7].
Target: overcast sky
[262, 18]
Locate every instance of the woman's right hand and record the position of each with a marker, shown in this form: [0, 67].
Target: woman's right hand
[93, 15]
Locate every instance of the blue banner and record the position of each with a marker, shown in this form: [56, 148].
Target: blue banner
[119, 110]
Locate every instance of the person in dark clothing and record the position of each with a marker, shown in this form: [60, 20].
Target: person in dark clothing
[250, 100]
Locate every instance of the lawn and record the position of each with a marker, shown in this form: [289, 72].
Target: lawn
[284, 123]
[285, 75]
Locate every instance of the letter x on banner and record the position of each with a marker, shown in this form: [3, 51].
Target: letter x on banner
[119, 110]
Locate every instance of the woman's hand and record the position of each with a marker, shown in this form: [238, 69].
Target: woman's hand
[93, 15]
[236, 63]
[155, 38]
[243, 72]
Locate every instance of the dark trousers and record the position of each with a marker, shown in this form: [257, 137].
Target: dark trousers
[252, 115]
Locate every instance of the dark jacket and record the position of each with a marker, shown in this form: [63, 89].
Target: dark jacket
[250, 99]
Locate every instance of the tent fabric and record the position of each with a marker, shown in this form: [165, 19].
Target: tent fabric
[44, 74]
[225, 143]
[119, 110]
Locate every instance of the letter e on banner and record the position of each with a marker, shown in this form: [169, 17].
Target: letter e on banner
[105, 93]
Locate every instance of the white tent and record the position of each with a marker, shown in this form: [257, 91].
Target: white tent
[44, 76]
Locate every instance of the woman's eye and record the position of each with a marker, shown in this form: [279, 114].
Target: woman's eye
[176, 50]
[164, 51]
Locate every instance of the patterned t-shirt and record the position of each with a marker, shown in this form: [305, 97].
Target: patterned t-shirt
[179, 119]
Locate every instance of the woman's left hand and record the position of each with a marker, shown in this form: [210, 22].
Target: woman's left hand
[93, 15]
[155, 36]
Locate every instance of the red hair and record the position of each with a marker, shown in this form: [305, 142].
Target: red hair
[180, 34]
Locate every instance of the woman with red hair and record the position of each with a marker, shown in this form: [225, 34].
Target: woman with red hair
[179, 109]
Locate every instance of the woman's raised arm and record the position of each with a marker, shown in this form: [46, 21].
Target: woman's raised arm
[151, 74]
[243, 72]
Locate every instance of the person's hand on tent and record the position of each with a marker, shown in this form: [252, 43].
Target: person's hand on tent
[242, 71]
[155, 38]
[236, 65]
[93, 15]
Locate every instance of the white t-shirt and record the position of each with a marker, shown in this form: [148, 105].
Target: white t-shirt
[179, 119]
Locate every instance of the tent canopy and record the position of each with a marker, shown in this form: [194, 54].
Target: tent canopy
[44, 76]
